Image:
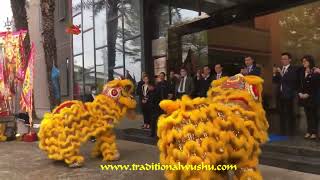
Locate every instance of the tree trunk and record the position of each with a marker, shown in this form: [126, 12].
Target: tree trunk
[49, 43]
[19, 12]
[112, 30]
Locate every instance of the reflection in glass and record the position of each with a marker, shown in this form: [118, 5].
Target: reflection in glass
[133, 57]
[300, 31]
[131, 18]
[163, 20]
[77, 76]
[77, 39]
[100, 26]
[118, 47]
[114, 32]
[101, 67]
[88, 60]
[87, 17]
[76, 6]
[118, 73]
[195, 48]
[182, 15]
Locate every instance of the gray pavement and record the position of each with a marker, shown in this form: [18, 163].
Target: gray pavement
[24, 161]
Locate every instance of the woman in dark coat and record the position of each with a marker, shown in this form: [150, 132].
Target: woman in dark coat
[306, 94]
[145, 97]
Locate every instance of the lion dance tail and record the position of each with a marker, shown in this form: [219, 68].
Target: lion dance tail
[60, 133]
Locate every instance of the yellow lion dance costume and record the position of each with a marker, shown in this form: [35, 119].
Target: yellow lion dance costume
[73, 122]
[227, 127]
[2, 132]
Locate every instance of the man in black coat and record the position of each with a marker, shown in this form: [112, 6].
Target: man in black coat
[219, 73]
[287, 78]
[251, 68]
[205, 82]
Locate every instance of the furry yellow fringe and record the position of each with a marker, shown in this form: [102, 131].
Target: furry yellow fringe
[214, 130]
[61, 133]
[2, 131]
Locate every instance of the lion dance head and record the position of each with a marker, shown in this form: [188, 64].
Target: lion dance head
[226, 128]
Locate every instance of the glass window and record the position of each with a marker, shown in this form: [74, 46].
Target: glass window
[89, 60]
[117, 60]
[87, 17]
[118, 72]
[115, 39]
[195, 46]
[100, 26]
[101, 67]
[164, 20]
[76, 6]
[77, 76]
[131, 18]
[77, 39]
[133, 58]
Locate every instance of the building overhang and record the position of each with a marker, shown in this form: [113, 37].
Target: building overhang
[240, 12]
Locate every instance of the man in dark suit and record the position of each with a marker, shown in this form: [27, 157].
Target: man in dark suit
[218, 72]
[185, 86]
[251, 68]
[205, 82]
[287, 78]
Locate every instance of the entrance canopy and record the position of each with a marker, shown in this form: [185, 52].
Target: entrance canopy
[224, 12]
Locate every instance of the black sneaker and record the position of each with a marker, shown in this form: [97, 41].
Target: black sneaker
[93, 139]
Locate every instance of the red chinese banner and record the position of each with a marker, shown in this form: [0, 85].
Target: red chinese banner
[27, 86]
[13, 58]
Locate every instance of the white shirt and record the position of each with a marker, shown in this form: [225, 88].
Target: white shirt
[249, 68]
[206, 77]
[219, 75]
[182, 83]
[285, 69]
[145, 89]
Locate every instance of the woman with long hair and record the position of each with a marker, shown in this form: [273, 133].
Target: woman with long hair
[306, 94]
[146, 91]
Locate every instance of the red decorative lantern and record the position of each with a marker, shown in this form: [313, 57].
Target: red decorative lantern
[73, 29]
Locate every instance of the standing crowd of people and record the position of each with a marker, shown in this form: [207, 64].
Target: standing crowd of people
[293, 82]
[152, 91]
[301, 83]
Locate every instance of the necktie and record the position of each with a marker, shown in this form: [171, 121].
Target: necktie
[182, 84]
[218, 76]
[284, 70]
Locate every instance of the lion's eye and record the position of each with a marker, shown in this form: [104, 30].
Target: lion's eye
[113, 93]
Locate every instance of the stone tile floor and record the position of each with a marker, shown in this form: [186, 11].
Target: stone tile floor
[25, 161]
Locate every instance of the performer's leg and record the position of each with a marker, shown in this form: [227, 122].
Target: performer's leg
[73, 158]
[108, 147]
[96, 150]
[248, 170]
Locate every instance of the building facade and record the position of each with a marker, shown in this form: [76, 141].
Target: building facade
[64, 49]
[128, 37]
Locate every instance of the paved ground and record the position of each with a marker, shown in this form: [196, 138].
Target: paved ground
[24, 161]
